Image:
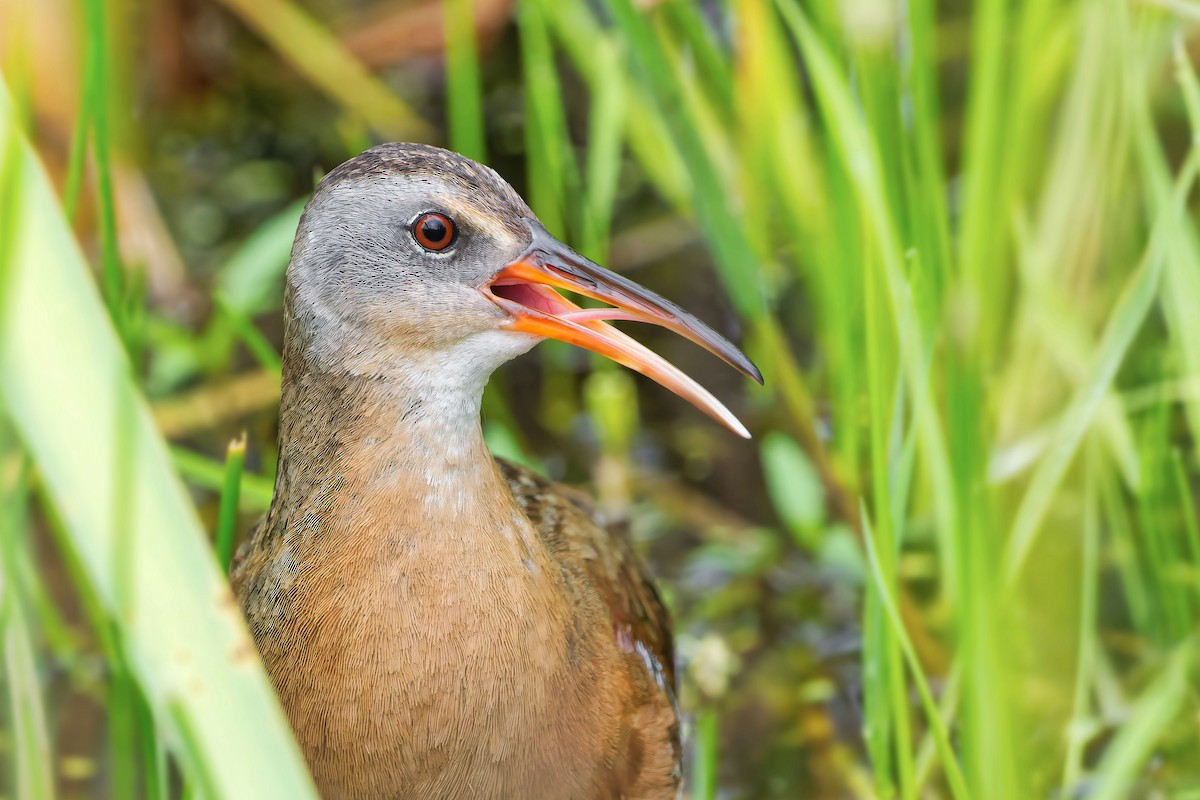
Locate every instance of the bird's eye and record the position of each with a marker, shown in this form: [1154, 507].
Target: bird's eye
[433, 231]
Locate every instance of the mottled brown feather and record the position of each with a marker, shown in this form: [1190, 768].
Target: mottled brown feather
[579, 538]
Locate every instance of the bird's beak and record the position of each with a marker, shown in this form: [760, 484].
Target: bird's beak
[524, 289]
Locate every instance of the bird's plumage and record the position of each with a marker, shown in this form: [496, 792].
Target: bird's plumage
[438, 624]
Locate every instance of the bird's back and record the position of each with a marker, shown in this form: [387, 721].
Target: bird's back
[583, 542]
[600, 558]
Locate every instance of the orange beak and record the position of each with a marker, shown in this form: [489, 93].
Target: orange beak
[525, 289]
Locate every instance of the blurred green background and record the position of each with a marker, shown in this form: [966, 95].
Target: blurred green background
[960, 558]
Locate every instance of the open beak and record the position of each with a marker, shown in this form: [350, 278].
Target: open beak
[525, 289]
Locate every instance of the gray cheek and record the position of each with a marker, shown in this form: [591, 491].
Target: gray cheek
[486, 256]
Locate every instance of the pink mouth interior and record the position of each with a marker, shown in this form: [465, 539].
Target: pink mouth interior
[531, 296]
[544, 299]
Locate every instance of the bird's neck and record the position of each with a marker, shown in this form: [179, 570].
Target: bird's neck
[412, 434]
[382, 453]
[399, 590]
[359, 416]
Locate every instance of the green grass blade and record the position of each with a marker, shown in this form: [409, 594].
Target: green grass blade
[463, 83]
[63, 378]
[981, 242]
[97, 107]
[704, 768]
[120, 701]
[251, 280]
[1123, 325]
[263, 351]
[1191, 524]
[713, 62]
[255, 493]
[892, 713]
[231, 489]
[941, 737]
[553, 173]
[320, 57]
[606, 120]
[736, 260]
[1079, 730]
[1158, 706]
[31, 756]
[77, 160]
[156, 772]
[577, 30]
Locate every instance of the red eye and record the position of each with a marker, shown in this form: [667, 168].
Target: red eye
[433, 231]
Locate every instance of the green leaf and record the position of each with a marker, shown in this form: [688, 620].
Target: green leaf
[794, 486]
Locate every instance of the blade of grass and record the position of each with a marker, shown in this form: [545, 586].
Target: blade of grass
[735, 258]
[97, 105]
[231, 488]
[1126, 320]
[76, 161]
[878, 665]
[1079, 729]
[31, 751]
[1159, 529]
[989, 728]
[155, 771]
[32, 754]
[941, 737]
[553, 173]
[606, 119]
[711, 59]
[948, 708]
[1191, 526]
[1134, 591]
[249, 281]
[771, 138]
[258, 345]
[927, 185]
[1136, 739]
[59, 375]
[981, 242]
[318, 55]
[464, 95]
[890, 715]
[120, 700]
[255, 492]
[704, 768]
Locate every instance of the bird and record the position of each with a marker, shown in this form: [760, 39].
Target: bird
[438, 623]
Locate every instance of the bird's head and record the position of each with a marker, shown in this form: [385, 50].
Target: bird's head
[411, 253]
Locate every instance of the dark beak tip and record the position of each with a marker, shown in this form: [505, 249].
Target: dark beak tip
[748, 368]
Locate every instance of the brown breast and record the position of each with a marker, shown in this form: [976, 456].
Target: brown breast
[502, 644]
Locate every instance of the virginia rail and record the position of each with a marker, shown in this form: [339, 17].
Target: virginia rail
[437, 623]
